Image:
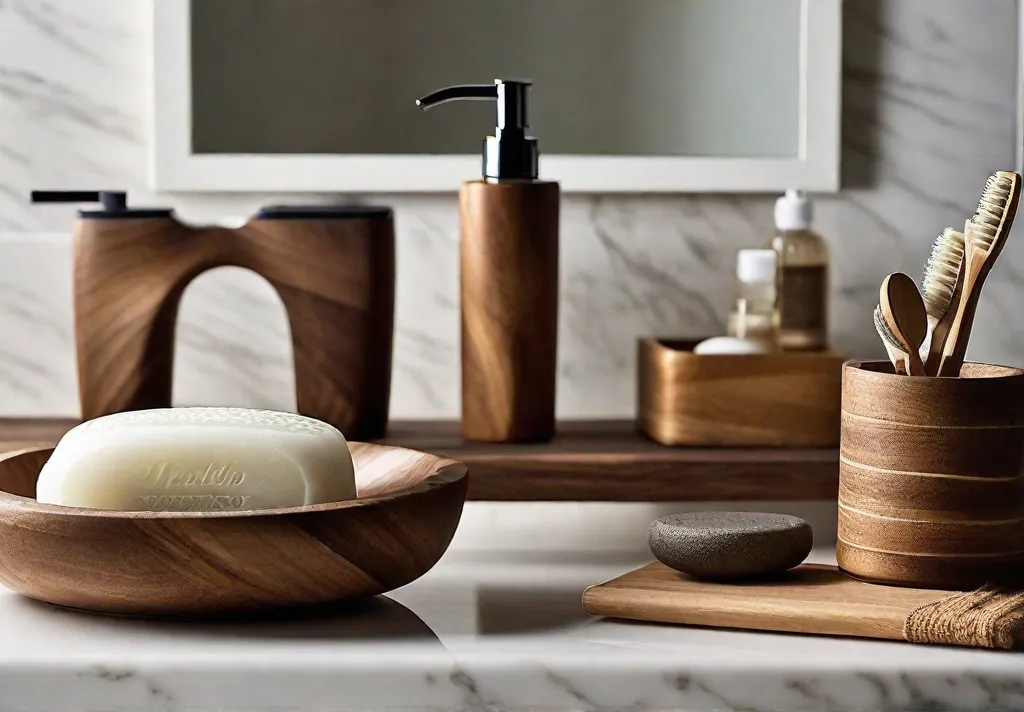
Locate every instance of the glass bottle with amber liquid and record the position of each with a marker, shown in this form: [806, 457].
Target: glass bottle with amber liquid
[803, 275]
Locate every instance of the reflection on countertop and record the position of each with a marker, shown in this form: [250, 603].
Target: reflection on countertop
[495, 632]
[373, 621]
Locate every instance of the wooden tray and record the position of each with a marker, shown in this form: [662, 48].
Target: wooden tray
[812, 598]
[787, 399]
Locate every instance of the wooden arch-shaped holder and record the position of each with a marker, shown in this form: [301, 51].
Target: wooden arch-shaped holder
[333, 269]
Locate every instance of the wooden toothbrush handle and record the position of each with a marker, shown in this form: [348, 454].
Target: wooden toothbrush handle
[899, 365]
[955, 348]
[915, 366]
[938, 340]
[940, 334]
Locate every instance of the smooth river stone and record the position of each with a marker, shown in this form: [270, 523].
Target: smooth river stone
[721, 546]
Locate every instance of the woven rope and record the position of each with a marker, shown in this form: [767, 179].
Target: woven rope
[986, 618]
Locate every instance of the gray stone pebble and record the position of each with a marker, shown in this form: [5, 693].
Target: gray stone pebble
[721, 546]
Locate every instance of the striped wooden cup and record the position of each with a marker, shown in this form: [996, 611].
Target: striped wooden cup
[931, 486]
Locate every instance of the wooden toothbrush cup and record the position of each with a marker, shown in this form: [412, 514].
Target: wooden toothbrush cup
[931, 493]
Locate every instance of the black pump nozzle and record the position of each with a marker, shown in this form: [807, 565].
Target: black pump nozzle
[459, 92]
[114, 202]
[111, 200]
[510, 153]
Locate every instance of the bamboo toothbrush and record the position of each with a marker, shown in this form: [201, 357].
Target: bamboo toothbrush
[892, 345]
[939, 285]
[985, 234]
[904, 317]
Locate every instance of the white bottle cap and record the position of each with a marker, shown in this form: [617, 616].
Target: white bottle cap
[793, 211]
[756, 266]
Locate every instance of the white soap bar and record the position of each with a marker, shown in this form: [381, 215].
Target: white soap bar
[198, 460]
[722, 345]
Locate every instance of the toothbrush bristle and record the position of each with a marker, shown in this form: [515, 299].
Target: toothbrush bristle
[941, 271]
[987, 219]
[882, 327]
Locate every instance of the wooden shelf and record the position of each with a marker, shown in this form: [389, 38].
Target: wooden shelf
[588, 461]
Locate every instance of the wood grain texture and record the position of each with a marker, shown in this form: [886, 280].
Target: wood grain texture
[774, 400]
[932, 476]
[166, 563]
[812, 598]
[586, 461]
[335, 277]
[509, 253]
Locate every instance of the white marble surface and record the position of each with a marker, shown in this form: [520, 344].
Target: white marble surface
[476, 633]
[929, 110]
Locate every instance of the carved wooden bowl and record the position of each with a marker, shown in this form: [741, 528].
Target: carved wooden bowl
[200, 563]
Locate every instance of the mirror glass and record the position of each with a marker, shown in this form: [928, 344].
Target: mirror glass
[611, 77]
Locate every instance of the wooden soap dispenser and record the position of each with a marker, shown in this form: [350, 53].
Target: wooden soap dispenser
[509, 277]
[332, 266]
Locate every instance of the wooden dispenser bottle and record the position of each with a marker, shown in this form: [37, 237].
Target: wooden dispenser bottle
[332, 266]
[509, 278]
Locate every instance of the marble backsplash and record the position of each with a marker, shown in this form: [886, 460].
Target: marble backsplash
[930, 91]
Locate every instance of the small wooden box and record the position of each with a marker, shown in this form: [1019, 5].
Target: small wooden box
[931, 476]
[777, 400]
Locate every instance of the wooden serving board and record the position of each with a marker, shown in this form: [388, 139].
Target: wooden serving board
[812, 598]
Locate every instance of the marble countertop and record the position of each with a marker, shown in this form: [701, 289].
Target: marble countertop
[496, 632]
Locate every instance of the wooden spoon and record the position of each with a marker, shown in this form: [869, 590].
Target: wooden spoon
[904, 313]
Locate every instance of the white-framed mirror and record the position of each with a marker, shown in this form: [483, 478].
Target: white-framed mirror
[628, 96]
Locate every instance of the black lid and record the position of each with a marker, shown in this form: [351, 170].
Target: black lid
[115, 203]
[509, 153]
[324, 212]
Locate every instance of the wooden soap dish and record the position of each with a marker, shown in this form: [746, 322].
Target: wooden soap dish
[790, 399]
[198, 563]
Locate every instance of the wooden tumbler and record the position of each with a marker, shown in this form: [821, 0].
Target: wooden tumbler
[333, 267]
[931, 493]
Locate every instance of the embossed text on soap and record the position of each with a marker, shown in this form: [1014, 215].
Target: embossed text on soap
[167, 474]
[194, 503]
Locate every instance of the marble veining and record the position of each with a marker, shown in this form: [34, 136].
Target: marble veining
[486, 634]
[929, 110]
[466, 691]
